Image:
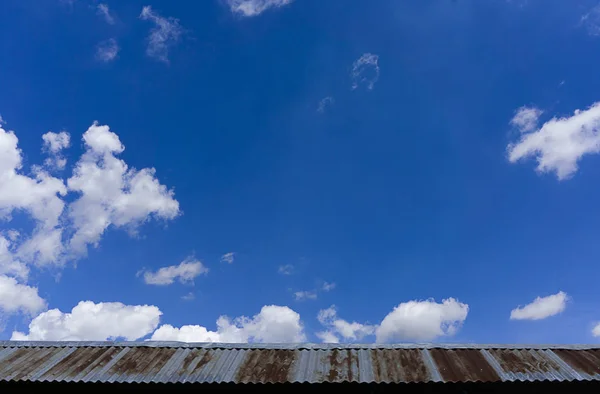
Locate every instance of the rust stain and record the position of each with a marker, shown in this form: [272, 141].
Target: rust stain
[14, 356]
[262, 366]
[74, 363]
[401, 365]
[31, 364]
[586, 361]
[159, 361]
[463, 365]
[523, 361]
[333, 366]
[135, 361]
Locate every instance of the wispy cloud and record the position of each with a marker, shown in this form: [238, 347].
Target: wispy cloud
[248, 8]
[185, 272]
[328, 286]
[165, 33]
[103, 10]
[325, 103]
[591, 21]
[365, 70]
[107, 51]
[287, 269]
[188, 297]
[305, 295]
[541, 307]
[228, 257]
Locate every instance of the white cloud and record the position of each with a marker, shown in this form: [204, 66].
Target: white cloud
[325, 103]
[249, 8]
[54, 143]
[336, 327]
[274, 324]
[111, 193]
[188, 297]
[596, 330]
[107, 51]
[16, 297]
[287, 269]
[9, 262]
[185, 272]
[228, 258]
[305, 295]
[422, 320]
[541, 307]
[328, 286]
[365, 70]
[526, 119]
[165, 33]
[560, 142]
[103, 10]
[327, 337]
[89, 321]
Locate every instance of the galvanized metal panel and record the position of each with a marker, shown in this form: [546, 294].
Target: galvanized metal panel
[252, 363]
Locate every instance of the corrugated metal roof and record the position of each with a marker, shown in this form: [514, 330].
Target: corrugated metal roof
[173, 362]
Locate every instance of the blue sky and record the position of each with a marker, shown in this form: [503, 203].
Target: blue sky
[300, 170]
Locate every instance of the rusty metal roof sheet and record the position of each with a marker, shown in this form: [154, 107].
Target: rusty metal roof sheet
[173, 362]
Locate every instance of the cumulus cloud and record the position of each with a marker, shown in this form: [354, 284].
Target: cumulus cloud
[422, 321]
[337, 327]
[185, 272]
[165, 33]
[54, 143]
[596, 330]
[274, 324]
[365, 70]
[541, 307]
[103, 11]
[228, 258]
[287, 269]
[16, 297]
[560, 143]
[106, 193]
[248, 8]
[111, 193]
[107, 51]
[89, 321]
[325, 103]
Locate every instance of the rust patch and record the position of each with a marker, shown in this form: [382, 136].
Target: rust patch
[399, 365]
[9, 362]
[342, 365]
[333, 366]
[523, 361]
[262, 366]
[135, 361]
[74, 363]
[586, 361]
[463, 365]
[34, 362]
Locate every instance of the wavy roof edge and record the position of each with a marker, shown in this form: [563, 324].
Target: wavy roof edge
[291, 346]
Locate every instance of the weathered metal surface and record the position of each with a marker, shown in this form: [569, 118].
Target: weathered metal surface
[146, 362]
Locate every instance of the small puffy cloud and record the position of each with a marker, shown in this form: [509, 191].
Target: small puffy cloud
[89, 321]
[365, 70]
[305, 295]
[188, 297]
[165, 33]
[54, 143]
[526, 119]
[16, 297]
[328, 286]
[248, 8]
[111, 193]
[541, 307]
[336, 327]
[287, 269]
[325, 103]
[103, 11]
[274, 324]
[185, 272]
[228, 258]
[422, 320]
[107, 51]
[596, 330]
[560, 143]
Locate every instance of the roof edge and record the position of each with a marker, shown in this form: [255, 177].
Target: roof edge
[294, 346]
